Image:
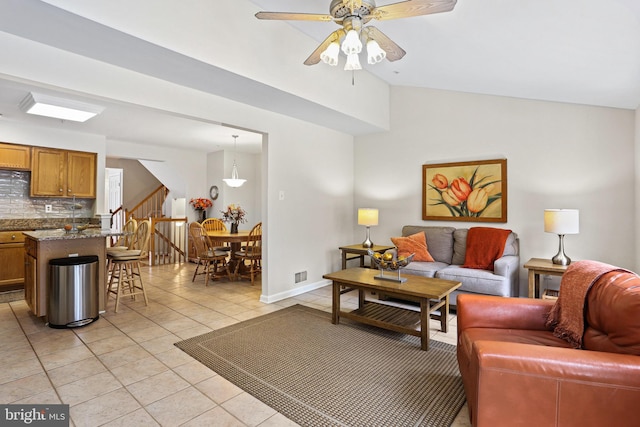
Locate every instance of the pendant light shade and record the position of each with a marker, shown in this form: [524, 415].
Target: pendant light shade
[234, 181]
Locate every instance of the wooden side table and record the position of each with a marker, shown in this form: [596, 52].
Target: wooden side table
[538, 266]
[358, 252]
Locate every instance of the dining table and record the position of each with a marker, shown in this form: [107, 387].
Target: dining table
[221, 237]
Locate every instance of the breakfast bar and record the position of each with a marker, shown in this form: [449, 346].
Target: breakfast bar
[45, 245]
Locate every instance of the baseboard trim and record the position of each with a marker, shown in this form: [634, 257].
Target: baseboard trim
[294, 292]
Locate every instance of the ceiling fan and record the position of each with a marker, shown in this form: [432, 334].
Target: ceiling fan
[353, 15]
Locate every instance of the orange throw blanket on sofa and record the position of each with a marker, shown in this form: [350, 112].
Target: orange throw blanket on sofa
[484, 246]
[567, 315]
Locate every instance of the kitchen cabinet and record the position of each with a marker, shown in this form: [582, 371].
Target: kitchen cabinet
[14, 156]
[12, 268]
[63, 173]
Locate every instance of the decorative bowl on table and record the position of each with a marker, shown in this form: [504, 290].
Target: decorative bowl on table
[389, 262]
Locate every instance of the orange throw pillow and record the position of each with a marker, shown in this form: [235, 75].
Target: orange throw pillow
[414, 244]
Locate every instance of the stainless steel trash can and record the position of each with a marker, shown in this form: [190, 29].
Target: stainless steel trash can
[73, 291]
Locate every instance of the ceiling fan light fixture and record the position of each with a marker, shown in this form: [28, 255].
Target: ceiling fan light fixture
[330, 54]
[352, 43]
[353, 62]
[375, 53]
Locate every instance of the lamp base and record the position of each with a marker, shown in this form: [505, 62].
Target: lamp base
[560, 258]
[367, 242]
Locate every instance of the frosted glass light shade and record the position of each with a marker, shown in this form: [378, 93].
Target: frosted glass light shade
[352, 43]
[375, 53]
[353, 63]
[562, 221]
[59, 108]
[330, 54]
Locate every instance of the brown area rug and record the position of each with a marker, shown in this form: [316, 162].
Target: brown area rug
[320, 374]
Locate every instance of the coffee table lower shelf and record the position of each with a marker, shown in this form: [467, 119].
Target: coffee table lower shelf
[388, 317]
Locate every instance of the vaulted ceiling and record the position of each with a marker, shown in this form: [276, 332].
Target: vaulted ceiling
[576, 51]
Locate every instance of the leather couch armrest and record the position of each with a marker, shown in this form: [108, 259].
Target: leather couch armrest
[483, 311]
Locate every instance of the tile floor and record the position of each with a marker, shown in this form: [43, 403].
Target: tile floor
[123, 370]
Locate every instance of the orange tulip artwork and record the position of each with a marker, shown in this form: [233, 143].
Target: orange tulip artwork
[465, 191]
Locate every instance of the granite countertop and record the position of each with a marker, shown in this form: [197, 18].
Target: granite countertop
[63, 235]
[42, 223]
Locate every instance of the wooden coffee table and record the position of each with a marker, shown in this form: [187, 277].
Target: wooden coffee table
[432, 294]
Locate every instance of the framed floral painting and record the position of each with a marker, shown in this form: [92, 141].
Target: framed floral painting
[465, 191]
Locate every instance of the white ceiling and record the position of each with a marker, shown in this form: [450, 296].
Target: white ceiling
[577, 51]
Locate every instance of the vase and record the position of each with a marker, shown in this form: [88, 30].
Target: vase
[234, 228]
[203, 214]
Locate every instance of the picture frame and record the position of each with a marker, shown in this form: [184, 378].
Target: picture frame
[472, 191]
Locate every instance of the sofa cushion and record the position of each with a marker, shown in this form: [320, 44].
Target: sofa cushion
[424, 269]
[413, 244]
[476, 281]
[439, 240]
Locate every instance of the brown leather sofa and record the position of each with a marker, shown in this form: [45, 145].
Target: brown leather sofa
[517, 373]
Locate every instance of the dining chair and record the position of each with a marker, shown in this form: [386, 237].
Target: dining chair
[125, 275]
[252, 252]
[216, 224]
[213, 261]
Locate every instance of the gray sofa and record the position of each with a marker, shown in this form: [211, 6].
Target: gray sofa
[447, 246]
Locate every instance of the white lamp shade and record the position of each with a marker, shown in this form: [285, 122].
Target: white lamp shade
[562, 221]
[367, 216]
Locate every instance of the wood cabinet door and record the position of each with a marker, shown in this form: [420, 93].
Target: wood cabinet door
[14, 156]
[47, 178]
[12, 262]
[30, 275]
[81, 174]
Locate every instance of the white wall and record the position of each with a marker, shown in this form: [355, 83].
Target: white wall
[558, 156]
[636, 193]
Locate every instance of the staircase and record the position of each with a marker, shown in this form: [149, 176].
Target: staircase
[168, 235]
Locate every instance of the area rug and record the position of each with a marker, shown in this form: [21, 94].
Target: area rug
[319, 374]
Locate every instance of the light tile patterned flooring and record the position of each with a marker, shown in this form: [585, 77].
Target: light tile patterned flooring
[124, 370]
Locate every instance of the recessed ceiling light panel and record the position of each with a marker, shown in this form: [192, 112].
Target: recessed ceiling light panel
[59, 108]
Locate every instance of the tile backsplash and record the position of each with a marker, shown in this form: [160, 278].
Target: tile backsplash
[15, 202]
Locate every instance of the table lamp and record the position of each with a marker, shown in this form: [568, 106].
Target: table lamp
[367, 217]
[561, 222]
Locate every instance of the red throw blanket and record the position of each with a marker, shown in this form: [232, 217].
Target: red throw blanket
[567, 315]
[484, 246]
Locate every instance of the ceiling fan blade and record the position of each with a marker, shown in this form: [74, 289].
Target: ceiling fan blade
[294, 16]
[394, 52]
[408, 8]
[314, 58]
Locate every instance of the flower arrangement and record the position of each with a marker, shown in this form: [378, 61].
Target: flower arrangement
[200, 203]
[234, 214]
[465, 198]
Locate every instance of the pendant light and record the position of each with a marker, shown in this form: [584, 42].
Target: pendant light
[234, 181]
